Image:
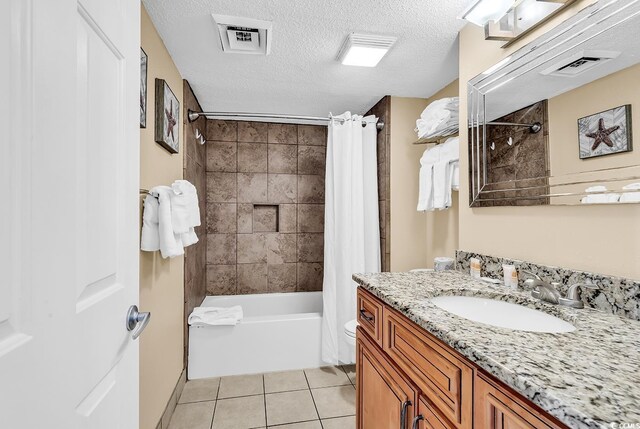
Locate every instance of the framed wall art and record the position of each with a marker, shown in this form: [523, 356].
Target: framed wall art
[167, 131]
[605, 133]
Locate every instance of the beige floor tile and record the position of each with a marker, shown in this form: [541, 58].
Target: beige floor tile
[340, 423]
[335, 401]
[193, 416]
[205, 389]
[326, 377]
[351, 372]
[240, 385]
[239, 413]
[290, 407]
[315, 424]
[285, 381]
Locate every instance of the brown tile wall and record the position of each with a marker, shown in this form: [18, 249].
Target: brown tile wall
[383, 111]
[264, 207]
[194, 171]
[525, 164]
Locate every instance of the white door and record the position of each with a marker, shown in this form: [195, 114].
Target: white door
[69, 162]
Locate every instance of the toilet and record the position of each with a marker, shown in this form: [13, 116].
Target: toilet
[350, 331]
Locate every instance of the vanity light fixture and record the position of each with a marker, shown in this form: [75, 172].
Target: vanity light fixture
[364, 50]
[480, 12]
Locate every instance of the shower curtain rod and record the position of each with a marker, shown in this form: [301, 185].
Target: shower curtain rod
[193, 116]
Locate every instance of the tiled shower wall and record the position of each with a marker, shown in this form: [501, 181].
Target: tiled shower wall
[194, 171]
[382, 110]
[264, 207]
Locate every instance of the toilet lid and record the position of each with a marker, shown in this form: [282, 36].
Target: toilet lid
[350, 327]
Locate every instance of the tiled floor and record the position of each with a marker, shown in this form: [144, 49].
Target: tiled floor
[319, 398]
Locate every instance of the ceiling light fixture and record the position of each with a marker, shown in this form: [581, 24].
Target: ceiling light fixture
[364, 50]
[480, 12]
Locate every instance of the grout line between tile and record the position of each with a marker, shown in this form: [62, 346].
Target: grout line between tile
[264, 400]
[312, 398]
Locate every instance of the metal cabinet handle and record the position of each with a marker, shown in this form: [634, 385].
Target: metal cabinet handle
[364, 315]
[416, 419]
[137, 321]
[403, 414]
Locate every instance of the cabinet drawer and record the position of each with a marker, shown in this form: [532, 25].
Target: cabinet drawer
[495, 408]
[445, 380]
[431, 419]
[370, 315]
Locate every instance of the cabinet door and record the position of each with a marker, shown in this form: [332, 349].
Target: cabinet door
[495, 408]
[445, 379]
[385, 399]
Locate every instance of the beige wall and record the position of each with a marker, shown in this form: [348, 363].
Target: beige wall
[612, 91]
[603, 239]
[409, 248]
[408, 226]
[161, 280]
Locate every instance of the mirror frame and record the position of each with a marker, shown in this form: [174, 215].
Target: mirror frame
[565, 37]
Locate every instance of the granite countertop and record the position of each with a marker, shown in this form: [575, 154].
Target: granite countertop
[588, 378]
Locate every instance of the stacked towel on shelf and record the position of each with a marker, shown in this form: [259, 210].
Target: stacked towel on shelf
[439, 174]
[631, 197]
[169, 218]
[215, 316]
[599, 197]
[440, 118]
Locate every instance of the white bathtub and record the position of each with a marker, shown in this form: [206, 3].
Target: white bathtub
[279, 332]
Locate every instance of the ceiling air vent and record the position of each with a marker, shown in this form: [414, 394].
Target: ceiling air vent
[579, 63]
[244, 35]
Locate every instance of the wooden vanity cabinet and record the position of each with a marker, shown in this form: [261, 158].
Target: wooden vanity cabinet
[495, 408]
[385, 398]
[400, 365]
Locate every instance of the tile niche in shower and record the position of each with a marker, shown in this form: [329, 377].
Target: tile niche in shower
[265, 207]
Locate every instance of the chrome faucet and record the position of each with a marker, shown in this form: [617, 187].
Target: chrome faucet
[548, 292]
[542, 289]
[574, 298]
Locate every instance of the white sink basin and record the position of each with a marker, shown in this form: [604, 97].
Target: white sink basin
[502, 314]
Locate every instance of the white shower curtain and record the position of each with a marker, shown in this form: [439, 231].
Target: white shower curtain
[351, 227]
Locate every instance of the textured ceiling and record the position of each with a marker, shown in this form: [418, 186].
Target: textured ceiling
[301, 75]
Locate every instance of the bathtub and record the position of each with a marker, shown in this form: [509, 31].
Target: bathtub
[279, 332]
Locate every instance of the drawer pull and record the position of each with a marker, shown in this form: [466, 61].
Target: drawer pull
[416, 419]
[367, 316]
[403, 414]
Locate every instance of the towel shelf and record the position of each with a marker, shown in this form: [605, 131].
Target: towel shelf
[437, 140]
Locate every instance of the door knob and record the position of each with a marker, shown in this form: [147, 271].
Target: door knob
[137, 321]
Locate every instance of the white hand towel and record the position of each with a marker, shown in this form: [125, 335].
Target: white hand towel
[214, 316]
[441, 185]
[170, 242]
[185, 211]
[150, 240]
[425, 188]
[455, 175]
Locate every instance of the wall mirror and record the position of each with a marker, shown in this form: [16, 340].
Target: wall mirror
[553, 123]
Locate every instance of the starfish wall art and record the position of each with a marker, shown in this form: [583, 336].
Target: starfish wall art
[167, 130]
[605, 133]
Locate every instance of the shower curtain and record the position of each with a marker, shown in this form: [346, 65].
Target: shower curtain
[351, 227]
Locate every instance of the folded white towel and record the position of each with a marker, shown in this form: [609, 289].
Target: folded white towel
[439, 173]
[601, 199]
[170, 242]
[455, 175]
[214, 316]
[439, 118]
[150, 240]
[630, 197]
[630, 186]
[185, 212]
